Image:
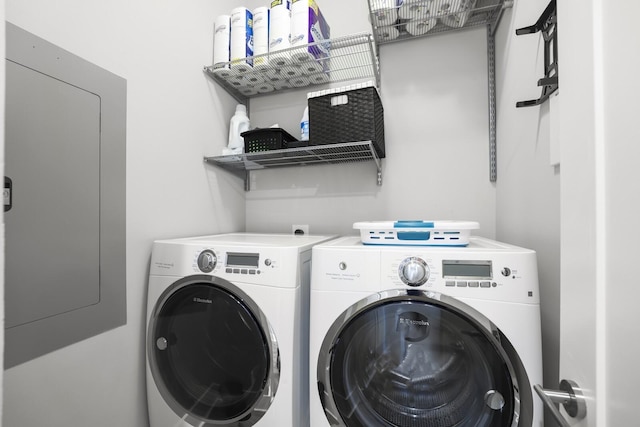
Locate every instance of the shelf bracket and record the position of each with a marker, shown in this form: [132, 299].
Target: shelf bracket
[548, 25]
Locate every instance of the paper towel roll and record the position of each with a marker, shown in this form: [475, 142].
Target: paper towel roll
[237, 81]
[300, 23]
[415, 10]
[300, 81]
[274, 75]
[254, 78]
[301, 55]
[319, 78]
[280, 85]
[241, 36]
[420, 27]
[384, 12]
[224, 72]
[443, 7]
[241, 67]
[222, 40]
[290, 72]
[280, 59]
[260, 37]
[387, 33]
[459, 19]
[280, 26]
[248, 91]
[265, 88]
[311, 67]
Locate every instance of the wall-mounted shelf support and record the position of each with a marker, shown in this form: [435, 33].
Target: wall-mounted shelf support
[548, 25]
[242, 164]
[491, 73]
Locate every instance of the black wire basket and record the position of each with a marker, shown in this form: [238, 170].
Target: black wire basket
[349, 116]
[266, 139]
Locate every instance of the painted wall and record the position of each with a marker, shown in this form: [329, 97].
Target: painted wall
[621, 88]
[175, 116]
[528, 186]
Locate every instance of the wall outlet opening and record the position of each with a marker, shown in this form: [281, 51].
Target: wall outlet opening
[300, 229]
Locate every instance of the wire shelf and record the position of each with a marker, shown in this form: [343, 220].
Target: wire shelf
[347, 152]
[350, 58]
[421, 18]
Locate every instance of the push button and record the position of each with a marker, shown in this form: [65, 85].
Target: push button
[485, 284]
[474, 284]
[461, 284]
[450, 283]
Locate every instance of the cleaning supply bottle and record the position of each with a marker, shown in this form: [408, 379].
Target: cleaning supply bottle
[238, 124]
[304, 125]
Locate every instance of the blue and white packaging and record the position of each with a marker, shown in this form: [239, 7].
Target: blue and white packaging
[309, 26]
[241, 39]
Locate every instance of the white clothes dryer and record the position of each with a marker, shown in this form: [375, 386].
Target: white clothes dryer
[227, 331]
[412, 336]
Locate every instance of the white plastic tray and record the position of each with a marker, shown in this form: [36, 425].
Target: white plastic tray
[428, 233]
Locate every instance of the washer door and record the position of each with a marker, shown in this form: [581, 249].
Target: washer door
[212, 353]
[413, 358]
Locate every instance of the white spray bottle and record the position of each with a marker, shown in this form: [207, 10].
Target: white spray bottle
[238, 124]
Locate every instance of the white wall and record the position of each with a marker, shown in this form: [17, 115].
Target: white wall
[528, 186]
[175, 116]
[621, 133]
[434, 93]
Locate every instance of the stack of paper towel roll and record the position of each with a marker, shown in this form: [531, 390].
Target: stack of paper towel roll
[454, 13]
[417, 17]
[384, 17]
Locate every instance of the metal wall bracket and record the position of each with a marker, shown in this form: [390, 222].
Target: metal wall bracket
[548, 25]
[569, 396]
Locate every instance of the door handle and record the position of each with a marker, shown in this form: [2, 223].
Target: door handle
[7, 194]
[569, 396]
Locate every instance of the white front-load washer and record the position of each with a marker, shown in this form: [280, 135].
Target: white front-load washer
[412, 336]
[227, 331]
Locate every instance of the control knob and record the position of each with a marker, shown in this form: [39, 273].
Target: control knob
[413, 271]
[207, 261]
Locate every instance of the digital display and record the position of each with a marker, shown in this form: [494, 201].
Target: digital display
[471, 269]
[238, 259]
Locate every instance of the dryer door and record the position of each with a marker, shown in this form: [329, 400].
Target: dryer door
[212, 353]
[413, 358]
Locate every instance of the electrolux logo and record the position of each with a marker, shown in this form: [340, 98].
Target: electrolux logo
[202, 300]
[411, 322]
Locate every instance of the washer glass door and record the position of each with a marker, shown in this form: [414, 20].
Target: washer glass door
[212, 353]
[415, 361]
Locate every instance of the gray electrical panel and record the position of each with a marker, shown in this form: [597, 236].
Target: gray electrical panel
[65, 133]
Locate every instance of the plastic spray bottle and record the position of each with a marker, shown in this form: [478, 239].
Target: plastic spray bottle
[304, 125]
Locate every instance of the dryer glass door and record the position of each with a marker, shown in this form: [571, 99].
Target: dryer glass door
[412, 363]
[210, 354]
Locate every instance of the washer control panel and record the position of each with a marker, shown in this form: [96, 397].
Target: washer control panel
[216, 261]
